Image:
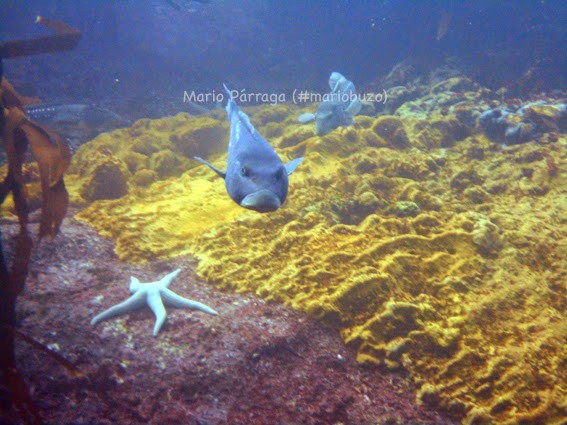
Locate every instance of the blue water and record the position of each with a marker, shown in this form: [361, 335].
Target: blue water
[150, 52]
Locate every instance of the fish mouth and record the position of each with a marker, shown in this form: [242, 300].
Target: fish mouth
[262, 201]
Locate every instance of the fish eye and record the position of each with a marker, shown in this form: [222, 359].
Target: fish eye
[279, 174]
[244, 172]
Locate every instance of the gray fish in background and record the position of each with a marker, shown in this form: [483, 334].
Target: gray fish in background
[77, 123]
[255, 176]
[76, 114]
[337, 108]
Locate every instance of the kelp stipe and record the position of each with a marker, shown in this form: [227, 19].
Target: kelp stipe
[53, 157]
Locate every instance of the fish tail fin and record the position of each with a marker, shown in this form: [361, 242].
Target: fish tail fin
[231, 104]
[227, 90]
[232, 108]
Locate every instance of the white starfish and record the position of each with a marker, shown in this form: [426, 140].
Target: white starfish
[155, 294]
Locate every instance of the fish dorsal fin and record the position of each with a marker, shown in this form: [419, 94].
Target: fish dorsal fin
[337, 82]
[232, 108]
[246, 121]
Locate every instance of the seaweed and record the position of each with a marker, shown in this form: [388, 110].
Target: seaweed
[65, 38]
[19, 133]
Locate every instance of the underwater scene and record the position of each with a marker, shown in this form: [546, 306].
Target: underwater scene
[314, 212]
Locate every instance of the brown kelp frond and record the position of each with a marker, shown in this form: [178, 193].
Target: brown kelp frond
[66, 38]
[22, 400]
[70, 367]
[50, 152]
[16, 99]
[53, 158]
[20, 262]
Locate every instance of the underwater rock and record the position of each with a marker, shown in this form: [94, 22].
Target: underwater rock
[200, 137]
[407, 82]
[455, 85]
[442, 133]
[465, 178]
[463, 99]
[534, 185]
[144, 177]
[453, 298]
[353, 211]
[164, 163]
[107, 181]
[524, 124]
[405, 209]
[392, 130]
[487, 235]
[477, 194]
[399, 95]
[275, 114]
[296, 136]
[160, 147]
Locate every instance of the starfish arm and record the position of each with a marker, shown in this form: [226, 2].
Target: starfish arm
[156, 304]
[133, 303]
[135, 284]
[171, 298]
[166, 280]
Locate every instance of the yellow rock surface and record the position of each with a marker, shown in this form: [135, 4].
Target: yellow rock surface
[450, 265]
[147, 152]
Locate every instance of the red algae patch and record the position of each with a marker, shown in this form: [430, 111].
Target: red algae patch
[256, 363]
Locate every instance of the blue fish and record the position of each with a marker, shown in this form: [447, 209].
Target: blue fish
[337, 108]
[255, 176]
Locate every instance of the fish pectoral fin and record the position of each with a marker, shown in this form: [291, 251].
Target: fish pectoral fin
[324, 116]
[305, 118]
[212, 167]
[292, 165]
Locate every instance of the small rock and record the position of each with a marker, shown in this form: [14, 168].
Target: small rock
[486, 235]
[405, 209]
[477, 195]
